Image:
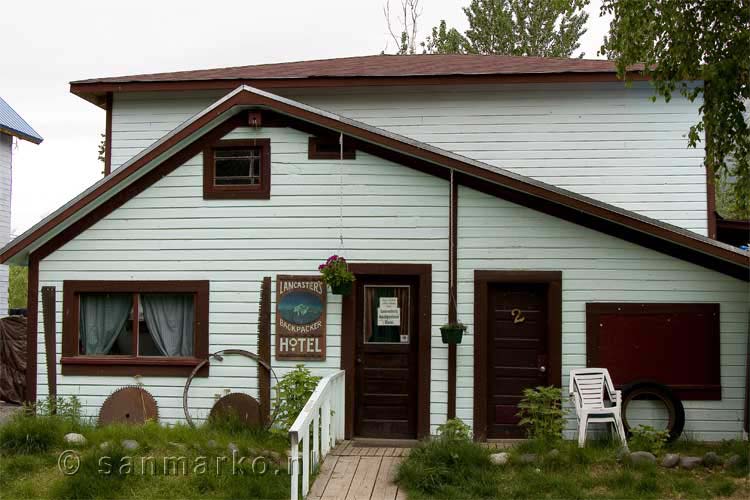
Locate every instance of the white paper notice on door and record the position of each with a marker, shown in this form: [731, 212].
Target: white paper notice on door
[389, 317]
[388, 303]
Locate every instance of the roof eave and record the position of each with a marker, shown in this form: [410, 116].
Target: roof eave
[95, 90]
[21, 135]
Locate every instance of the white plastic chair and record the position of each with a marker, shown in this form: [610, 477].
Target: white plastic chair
[587, 388]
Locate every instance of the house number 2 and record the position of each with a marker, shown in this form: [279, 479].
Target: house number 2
[518, 316]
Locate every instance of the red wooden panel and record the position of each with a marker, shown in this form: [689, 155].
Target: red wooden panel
[674, 344]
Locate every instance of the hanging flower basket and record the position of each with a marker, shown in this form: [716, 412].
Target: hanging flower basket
[452, 333]
[336, 274]
[342, 289]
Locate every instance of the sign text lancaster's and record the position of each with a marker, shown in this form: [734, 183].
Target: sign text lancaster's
[300, 318]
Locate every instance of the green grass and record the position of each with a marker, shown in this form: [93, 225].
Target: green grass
[462, 470]
[30, 446]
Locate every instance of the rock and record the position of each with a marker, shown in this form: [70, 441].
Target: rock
[711, 459]
[670, 460]
[622, 454]
[105, 446]
[689, 463]
[642, 457]
[499, 458]
[75, 439]
[130, 444]
[554, 454]
[233, 448]
[179, 446]
[279, 458]
[212, 444]
[734, 461]
[527, 458]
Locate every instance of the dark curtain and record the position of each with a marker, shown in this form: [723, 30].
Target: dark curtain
[374, 333]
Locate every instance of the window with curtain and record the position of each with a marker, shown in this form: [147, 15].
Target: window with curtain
[386, 314]
[137, 324]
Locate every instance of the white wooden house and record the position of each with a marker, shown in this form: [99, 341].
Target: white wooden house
[11, 126]
[542, 203]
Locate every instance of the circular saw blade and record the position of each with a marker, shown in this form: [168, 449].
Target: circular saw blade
[129, 405]
[238, 405]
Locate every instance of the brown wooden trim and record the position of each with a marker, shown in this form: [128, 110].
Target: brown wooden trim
[423, 272]
[104, 366]
[260, 191]
[589, 213]
[49, 302]
[264, 348]
[95, 91]
[32, 318]
[75, 364]
[482, 281]
[747, 378]
[708, 391]
[108, 135]
[711, 202]
[314, 153]
[452, 293]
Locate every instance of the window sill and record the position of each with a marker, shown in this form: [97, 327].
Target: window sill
[129, 366]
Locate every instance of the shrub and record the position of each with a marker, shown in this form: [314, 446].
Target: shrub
[294, 389]
[64, 407]
[454, 430]
[646, 438]
[542, 413]
[447, 469]
[26, 434]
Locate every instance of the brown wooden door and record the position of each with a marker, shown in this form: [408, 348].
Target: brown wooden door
[386, 358]
[517, 352]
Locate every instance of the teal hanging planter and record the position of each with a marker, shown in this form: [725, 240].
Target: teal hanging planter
[452, 333]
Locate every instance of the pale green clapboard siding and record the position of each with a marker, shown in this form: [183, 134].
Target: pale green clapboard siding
[497, 234]
[598, 139]
[168, 232]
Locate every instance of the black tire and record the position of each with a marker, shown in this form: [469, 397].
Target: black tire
[648, 389]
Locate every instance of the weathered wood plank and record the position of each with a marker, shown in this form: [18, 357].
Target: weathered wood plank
[326, 470]
[384, 488]
[364, 478]
[341, 478]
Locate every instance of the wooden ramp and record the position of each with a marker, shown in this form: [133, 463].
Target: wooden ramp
[358, 472]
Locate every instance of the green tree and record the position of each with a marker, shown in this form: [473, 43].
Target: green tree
[18, 286]
[700, 49]
[545, 28]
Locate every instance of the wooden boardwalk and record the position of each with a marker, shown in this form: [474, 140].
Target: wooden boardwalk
[359, 472]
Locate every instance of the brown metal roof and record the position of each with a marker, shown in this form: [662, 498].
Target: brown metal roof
[365, 70]
[380, 66]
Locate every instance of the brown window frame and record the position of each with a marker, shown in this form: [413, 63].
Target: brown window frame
[261, 191]
[74, 363]
[314, 142]
[707, 391]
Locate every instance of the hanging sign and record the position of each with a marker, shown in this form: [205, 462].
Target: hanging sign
[300, 318]
[389, 314]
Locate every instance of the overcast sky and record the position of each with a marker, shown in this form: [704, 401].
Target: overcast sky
[48, 43]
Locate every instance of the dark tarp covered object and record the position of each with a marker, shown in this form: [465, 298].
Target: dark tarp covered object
[12, 358]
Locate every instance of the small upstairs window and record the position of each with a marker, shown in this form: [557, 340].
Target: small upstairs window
[328, 148]
[237, 169]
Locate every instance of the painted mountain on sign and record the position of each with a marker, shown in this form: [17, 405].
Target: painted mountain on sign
[300, 308]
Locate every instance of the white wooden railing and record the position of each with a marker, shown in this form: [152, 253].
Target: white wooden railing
[323, 414]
